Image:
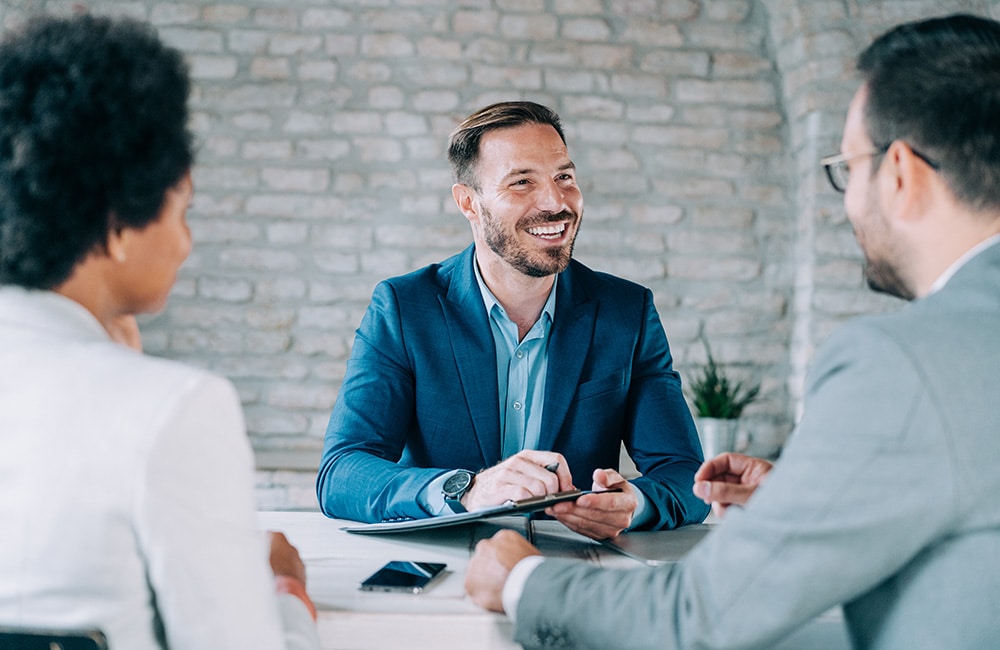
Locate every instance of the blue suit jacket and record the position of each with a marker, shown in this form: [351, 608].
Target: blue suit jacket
[420, 396]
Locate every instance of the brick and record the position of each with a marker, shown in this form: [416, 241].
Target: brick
[435, 101]
[403, 123]
[226, 14]
[258, 260]
[267, 149]
[325, 343]
[515, 77]
[276, 17]
[193, 340]
[246, 41]
[212, 67]
[649, 33]
[270, 68]
[287, 233]
[659, 213]
[340, 44]
[730, 11]
[301, 180]
[273, 423]
[378, 149]
[528, 27]
[322, 149]
[226, 289]
[252, 121]
[578, 7]
[219, 147]
[744, 93]
[296, 396]
[677, 62]
[258, 95]
[316, 18]
[218, 177]
[323, 318]
[173, 14]
[689, 267]
[192, 40]
[680, 136]
[586, 29]
[386, 45]
[476, 22]
[291, 289]
[294, 44]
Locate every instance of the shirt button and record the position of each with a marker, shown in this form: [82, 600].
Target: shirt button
[519, 354]
[517, 406]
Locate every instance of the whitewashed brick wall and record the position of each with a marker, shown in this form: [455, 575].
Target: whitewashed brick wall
[696, 127]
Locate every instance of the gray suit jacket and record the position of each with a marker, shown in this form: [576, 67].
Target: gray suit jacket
[885, 501]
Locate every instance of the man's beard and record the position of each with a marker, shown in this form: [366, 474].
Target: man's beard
[550, 261]
[882, 275]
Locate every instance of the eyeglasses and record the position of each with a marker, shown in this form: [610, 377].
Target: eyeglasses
[838, 171]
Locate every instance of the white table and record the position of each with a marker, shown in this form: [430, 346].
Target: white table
[442, 616]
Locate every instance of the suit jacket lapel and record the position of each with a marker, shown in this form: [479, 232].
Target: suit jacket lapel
[472, 344]
[569, 344]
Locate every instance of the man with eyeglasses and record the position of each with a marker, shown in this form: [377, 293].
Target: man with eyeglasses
[884, 500]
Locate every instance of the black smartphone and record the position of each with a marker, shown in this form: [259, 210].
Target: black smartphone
[400, 575]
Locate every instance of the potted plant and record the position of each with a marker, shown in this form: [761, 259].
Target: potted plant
[718, 403]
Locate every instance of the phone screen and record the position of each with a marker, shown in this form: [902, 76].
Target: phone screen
[400, 575]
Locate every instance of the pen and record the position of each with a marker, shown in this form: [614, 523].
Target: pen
[530, 528]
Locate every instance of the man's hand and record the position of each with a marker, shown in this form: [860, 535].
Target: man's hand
[284, 557]
[522, 476]
[729, 479]
[491, 564]
[599, 516]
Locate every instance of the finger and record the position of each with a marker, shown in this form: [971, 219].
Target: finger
[594, 528]
[715, 467]
[553, 463]
[722, 492]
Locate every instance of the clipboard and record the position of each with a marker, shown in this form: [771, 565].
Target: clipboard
[524, 506]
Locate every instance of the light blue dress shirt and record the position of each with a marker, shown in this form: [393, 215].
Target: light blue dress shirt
[521, 371]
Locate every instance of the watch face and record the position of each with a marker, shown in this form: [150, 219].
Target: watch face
[457, 483]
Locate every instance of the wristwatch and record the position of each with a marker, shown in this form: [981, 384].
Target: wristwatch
[455, 488]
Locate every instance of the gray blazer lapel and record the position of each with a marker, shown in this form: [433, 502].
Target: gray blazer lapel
[468, 330]
[572, 332]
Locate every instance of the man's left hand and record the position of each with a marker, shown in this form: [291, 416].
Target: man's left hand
[600, 516]
[491, 565]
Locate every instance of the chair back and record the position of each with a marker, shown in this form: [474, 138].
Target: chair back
[17, 638]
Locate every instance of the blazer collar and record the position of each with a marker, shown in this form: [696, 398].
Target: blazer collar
[472, 344]
[48, 312]
[569, 345]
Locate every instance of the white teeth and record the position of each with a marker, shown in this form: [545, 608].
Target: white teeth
[543, 231]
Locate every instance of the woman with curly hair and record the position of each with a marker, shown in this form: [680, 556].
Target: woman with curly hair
[126, 498]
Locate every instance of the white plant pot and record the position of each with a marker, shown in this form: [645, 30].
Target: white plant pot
[717, 435]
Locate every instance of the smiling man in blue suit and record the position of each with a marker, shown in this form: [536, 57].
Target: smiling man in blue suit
[511, 370]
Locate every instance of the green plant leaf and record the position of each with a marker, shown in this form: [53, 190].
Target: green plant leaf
[715, 396]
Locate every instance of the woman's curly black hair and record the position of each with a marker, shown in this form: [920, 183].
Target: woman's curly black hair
[93, 132]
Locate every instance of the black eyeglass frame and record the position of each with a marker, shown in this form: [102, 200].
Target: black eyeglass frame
[836, 166]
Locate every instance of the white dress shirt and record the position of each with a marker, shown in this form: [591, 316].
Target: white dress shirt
[126, 493]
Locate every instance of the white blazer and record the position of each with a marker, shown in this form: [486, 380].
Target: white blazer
[126, 492]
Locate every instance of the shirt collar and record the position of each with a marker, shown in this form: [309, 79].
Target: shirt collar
[491, 301]
[962, 261]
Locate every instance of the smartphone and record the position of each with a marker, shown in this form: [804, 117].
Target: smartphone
[400, 575]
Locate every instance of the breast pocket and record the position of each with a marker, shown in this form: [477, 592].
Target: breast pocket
[601, 387]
